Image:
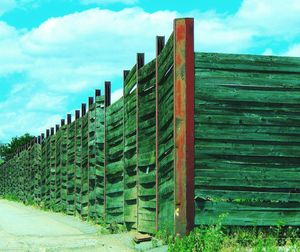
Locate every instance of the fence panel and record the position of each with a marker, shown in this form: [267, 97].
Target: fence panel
[84, 167]
[92, 161]
[71, 167]
[78, 182]
[246, 134]
[130, 172]
[114, 163]
[63, 166]
[166, 137]
[99, 156]
[146, 148]
[37, 172]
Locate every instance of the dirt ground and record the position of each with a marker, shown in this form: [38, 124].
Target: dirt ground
[25, 228]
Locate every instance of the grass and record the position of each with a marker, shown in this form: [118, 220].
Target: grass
[224, 239]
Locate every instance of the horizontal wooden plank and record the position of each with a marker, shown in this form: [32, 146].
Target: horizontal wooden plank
[247, 214]
[246, 195]
[246, 149]
[247, 62]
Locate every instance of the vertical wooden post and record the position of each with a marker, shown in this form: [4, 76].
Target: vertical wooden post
[140, 61]
[184, 124]
[107, 91]
[160, 44]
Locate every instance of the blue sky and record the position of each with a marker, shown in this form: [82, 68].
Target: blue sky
[54, 53]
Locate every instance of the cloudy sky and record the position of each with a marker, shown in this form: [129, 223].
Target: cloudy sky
[54, 53]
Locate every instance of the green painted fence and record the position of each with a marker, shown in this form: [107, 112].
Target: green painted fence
[195, 136]
[247, 139]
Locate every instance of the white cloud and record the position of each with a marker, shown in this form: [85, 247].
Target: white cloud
[105, 2]
[71, 52]
[273, 18]
[42, 101]
[116, 95]
[293, 51]
[268, 52]
[23, 113]
[218, 35]
[77, 52]
[12, 56]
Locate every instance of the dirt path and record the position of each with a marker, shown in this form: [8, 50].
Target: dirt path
[24, 228]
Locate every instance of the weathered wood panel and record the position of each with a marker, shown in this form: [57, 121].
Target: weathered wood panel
[114, 163]
[247, 139]
[146, 148]
[130, 169]
[99, 158]
[166, 142]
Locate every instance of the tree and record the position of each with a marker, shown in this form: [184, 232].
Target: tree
[7, 151]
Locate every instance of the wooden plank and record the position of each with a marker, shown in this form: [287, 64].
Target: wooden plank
[214, 193]
[164, 129]
[247, 62]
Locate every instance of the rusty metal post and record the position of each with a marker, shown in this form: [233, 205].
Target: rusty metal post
[140, 61]
[107, 100]
[83, 113]
[160, 44]
[50, 163]
[97, 92]
[69, 121]
[184, 124]
[77, 116]
[107, 91]
[62, 123]
[55, 165]
[90, 103]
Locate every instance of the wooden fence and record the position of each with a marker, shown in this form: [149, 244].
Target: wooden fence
[247, 139]
[195, 136]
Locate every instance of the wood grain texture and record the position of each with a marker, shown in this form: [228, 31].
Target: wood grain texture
[247, 139]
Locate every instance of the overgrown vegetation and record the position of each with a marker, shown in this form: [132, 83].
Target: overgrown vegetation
[234, 239]
[8, 150]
